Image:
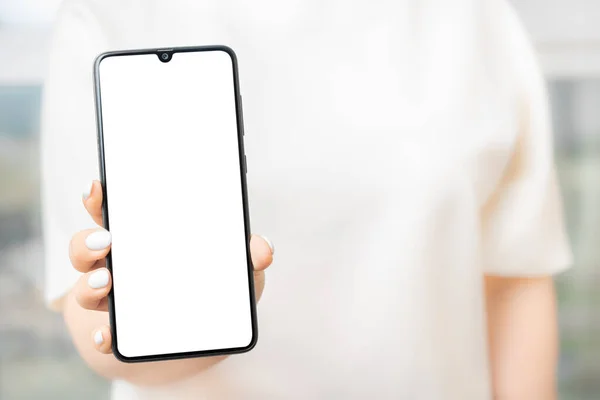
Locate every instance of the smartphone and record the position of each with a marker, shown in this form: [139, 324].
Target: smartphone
[173, 173]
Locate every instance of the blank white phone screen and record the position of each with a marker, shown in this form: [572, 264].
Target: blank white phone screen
[175, 203]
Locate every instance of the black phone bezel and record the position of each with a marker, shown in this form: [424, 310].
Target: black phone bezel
[105, 219]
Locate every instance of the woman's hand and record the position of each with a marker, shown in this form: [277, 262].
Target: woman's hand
[88, 250]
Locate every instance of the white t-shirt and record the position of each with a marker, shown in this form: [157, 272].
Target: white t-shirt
[397, 151]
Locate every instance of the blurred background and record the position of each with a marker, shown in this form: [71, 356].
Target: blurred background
[37, 360]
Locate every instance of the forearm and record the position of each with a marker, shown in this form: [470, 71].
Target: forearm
[81, 323]
[523, 339]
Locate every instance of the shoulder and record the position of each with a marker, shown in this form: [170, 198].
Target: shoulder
[512, 46]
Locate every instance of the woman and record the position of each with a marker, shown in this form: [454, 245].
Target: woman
[399, 155]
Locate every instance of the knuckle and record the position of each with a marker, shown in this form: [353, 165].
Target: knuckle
[82, 299]
[85, 297]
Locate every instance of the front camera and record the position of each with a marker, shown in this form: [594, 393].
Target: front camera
[164, 56]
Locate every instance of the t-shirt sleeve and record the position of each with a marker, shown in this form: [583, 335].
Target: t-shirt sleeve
[522, 222]
[68, 141]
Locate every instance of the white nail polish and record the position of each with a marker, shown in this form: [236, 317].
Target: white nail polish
[98, 339]
[270, 244]
[98, 279]
[87, 190]
[98, 240]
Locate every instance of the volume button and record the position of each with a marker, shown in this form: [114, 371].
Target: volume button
[245, 165]
[242, 115]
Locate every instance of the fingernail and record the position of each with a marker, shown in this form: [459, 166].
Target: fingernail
[98, 240]
[98, 339]
[98, 279]
[271, 246]
[87, 190]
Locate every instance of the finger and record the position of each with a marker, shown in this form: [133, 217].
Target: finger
[92, 200]
[102, 340]
[89, 246]
[91, 290]
[261, 250]
[259, 284]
